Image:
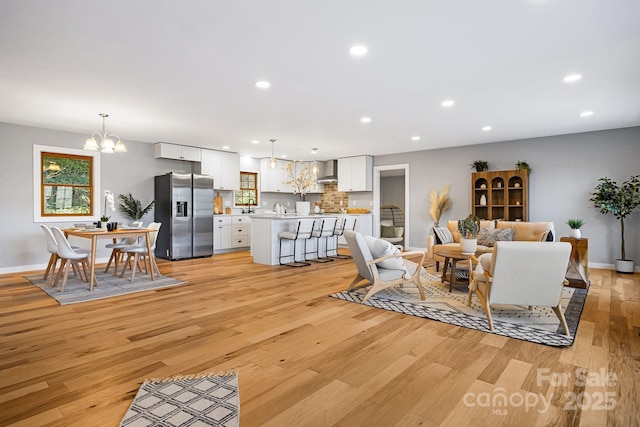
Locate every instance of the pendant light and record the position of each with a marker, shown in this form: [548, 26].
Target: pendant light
[314, 168]
[273, 162]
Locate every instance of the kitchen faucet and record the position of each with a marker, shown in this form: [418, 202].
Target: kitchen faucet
[249, 206]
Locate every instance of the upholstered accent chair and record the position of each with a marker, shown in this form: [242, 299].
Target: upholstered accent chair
[386, 267]
[521, 273]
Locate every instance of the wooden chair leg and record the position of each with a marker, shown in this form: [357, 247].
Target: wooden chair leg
[127, 263]
[62, 265]
[111, 258]
[66, 274]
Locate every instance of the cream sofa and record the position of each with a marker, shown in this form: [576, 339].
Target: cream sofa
[522, 232]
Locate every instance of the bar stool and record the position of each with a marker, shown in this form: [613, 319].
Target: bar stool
[304, 228]
[347, 223]
[326, 230]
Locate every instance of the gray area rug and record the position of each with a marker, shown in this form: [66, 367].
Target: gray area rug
[77, 290]
[539, 325]
[195, 401]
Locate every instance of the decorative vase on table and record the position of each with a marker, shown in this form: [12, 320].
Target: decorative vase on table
[468, 246]
[303, 208]
[575, 233]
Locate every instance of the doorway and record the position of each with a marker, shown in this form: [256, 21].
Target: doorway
[391, 186]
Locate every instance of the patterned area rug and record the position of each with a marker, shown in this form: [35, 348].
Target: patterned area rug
[195, 401]
[77, 290]
[539, 325]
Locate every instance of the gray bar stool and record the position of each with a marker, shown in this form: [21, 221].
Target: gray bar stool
[346, 223]
[326, 230]
[304, 228]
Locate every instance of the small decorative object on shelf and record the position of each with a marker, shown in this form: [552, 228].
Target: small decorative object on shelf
[522, 165]
[483, 200]
[480, 165]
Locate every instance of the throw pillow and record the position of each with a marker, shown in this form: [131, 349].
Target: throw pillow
[386, 231]
[489, 238]
[443, 235]
[543, 236]
[380, 248]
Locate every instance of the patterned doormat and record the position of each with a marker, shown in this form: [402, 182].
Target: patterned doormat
[77, 290]
[539, 325]
[195, 401]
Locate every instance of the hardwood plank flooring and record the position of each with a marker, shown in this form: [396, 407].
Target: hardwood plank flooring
[305, 359]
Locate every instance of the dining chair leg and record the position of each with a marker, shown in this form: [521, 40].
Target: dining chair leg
[52, 273]
[66, 274]
[136, 264]
[60, 270]
[127, 263]
[113, 257]
[48, 270]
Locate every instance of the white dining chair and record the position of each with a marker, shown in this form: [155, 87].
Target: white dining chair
[52, 248]
[69, 257]
[116, 252]
[139, 253]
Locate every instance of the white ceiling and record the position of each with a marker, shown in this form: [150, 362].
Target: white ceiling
[184, 71]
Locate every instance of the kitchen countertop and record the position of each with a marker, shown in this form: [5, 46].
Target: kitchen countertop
[294, 215]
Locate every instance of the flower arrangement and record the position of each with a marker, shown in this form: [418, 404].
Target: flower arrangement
[109, 203]
[440, 203]
[301, 183]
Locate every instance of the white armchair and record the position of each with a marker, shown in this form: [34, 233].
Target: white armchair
[386, 271]
[522, 273]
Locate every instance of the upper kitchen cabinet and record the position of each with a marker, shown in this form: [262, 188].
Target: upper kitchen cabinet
[355, 173]
[223, 167]
[272, 180]
[165, 150]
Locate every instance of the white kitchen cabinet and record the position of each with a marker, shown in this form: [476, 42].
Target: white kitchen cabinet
[165, 150]
[355, 173]
[241, 235]
[223, 167]
[272, 180]
[222, 233]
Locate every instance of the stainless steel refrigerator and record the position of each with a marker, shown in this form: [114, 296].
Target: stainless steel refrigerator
[184, 206]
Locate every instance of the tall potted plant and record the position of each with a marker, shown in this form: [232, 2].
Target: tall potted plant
[619, 200]
[469, 228]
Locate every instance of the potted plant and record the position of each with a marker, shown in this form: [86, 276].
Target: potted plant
[480, 165]
[521, 165]
[301, 184]
[575, 224]
[132, 207]
[469, 228]
[619, 200]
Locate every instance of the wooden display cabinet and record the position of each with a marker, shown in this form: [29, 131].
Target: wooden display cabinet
[500, 195]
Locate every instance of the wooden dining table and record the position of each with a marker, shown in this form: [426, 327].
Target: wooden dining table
[120, 233]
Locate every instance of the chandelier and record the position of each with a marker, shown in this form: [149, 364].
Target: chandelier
[106, 144]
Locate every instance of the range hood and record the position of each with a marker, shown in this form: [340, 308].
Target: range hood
[331, 173]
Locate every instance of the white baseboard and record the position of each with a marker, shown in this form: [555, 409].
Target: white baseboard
[37, 267]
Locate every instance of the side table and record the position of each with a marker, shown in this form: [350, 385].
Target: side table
[577, 274]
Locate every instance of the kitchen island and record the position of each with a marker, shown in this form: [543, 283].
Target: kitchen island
[265, 246]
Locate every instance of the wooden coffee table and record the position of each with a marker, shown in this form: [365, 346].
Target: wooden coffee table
[456, 276]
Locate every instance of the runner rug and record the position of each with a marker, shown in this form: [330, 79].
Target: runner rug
[539, 325]
[77, 290]
[199, 400]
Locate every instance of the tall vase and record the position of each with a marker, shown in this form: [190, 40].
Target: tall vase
[303, 208]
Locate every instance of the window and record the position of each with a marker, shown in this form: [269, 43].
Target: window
[66, 186]
[248, 192]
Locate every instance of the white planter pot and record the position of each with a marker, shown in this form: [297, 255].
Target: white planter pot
[468, 246]
[625, 266]
[303, 208]
[575, 233]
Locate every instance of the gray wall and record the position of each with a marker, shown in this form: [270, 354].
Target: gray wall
[392, 190]
[565, 172]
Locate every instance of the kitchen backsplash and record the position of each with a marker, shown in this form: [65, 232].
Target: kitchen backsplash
[333, 200]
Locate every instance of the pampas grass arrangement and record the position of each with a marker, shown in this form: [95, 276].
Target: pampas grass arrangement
[440, 203]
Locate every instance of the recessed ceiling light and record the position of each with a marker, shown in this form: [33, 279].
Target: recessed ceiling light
[358, 50]
[314, 151]
[447, 103]
[263, 84]
[366, 120]
[486, 128]
[415, 138]
[572, 78]
[284, 156]
[225, 147]
[255, 141]
[586, 114]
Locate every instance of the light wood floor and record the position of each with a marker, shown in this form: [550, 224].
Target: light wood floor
[308, 360]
